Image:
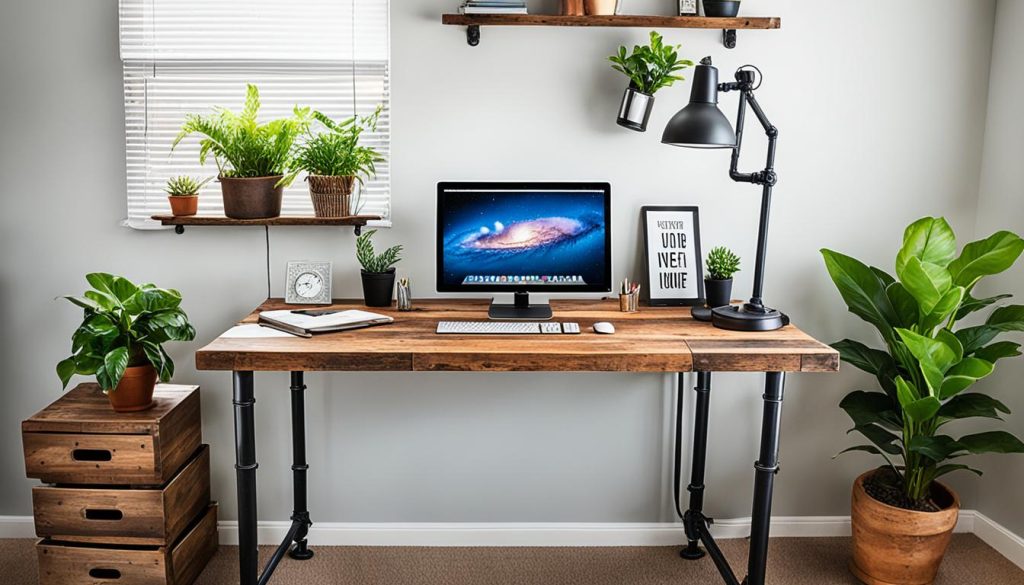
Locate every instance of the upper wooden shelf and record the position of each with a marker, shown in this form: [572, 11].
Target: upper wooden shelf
[727, 25]
[181, 221]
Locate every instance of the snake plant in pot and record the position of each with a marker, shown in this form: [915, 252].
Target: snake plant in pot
[120, 340]
[378, 271]
[902, 516]
[254, 160]
[649, 68]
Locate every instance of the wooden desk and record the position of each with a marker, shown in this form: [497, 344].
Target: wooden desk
[663, 339]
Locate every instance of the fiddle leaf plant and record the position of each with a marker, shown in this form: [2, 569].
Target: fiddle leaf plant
[650, 67]
[124, 325]
[928, 363]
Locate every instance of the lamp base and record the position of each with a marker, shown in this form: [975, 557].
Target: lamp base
[701, 313]
[748, 317]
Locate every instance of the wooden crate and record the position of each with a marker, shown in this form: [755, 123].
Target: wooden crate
[119, 515]
[79, 439]
[65, 563]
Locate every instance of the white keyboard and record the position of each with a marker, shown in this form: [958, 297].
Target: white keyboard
[506, 327]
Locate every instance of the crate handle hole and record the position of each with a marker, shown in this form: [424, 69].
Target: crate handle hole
[101, 514]
[91, 455]
[109, 574]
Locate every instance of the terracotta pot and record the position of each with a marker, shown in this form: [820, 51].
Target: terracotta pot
[251, 197]
[893, 546]
[135, 390]
[332, 196]
[182, 205]
[599, 7]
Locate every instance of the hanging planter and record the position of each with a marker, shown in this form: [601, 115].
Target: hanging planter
[649, 69]
[635, 109]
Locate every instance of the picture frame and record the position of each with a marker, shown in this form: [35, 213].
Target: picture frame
[673, 264]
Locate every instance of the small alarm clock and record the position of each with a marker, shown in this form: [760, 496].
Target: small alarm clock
[308, 283]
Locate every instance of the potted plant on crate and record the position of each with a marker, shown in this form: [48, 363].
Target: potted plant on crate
[649, 68]
[722, 265]
[378, 270]
[335, 161]
[183, 194]
[902, 516]
[254, 160]
[120, 340]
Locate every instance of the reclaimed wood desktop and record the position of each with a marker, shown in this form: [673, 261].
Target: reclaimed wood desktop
[655, 339]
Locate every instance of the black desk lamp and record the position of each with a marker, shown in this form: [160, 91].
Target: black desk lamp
[702, 125]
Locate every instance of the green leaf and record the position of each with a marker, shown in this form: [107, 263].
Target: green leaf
[883, 439]
[114, 364]
[950, 467]
[962, 375]
[926, 282]
[84, 303]
[944, 308]
[992, 255]
[862, 291]
[904, 304]
[871, 407]
[971, 304]
[866, 448]
[998, 350]
[102, 282]
[906, 392]
[992, 442]
[872, 361]
[972, 405]
[934, 352]
[937, 448]
[152, 300]
[1008, 318]
[65, 369]
[922, 410]
[160, 360]
[107, 302]
[929, 240]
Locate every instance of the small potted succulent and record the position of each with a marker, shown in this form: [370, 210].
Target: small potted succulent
[722, 264]
[378, 271]
[120, 340]
[649, 68]
[335, 161]
[902, 516]
[255, 161]
[183, 194]
[724, 8]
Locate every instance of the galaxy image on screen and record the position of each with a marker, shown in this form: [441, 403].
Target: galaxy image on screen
[524, 233]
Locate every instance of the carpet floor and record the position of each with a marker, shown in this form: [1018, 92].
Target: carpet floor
[792, 561]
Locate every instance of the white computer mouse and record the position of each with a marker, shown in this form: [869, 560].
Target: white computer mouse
[604, 327]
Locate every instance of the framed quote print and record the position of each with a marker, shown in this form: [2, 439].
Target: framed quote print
[674, 274]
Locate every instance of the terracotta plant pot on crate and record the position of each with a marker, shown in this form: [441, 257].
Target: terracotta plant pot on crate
[895, 546]
[251, 197]
[332, 196]
[183, 205]
[135, 390]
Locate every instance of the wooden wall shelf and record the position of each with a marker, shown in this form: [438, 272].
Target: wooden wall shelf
[729, 26]
[179, 223]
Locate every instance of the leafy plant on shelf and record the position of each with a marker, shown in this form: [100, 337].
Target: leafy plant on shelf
[650, 67]
[371, 261]
[337, 152]
[124, 325]
[185, 186]
[241, 146]
[722, 263]
[928, 362]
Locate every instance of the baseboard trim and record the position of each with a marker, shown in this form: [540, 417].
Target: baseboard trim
[992, 533]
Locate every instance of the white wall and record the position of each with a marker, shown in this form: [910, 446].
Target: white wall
[1001, 206]
[880, 116]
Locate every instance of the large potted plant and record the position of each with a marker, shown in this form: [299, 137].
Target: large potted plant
[254, 160]
[902, 516]
[649, 68]
[120, 340]
[335, 161]
[722, 264]
[378, 270]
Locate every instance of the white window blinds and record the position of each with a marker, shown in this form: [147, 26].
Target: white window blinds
[186, 56]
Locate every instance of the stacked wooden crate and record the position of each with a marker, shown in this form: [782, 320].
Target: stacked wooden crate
[128, 499]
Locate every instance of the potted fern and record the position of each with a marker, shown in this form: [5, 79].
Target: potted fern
[722, 264]
[254, 160]
[335, 161]
[378, 271]
[183, 194]
[902, 516]
[120, 340]
[649, 68]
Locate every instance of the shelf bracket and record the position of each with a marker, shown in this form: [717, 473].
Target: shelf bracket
[179, 229]
[729, 38]
[473, 35]
[358, 230]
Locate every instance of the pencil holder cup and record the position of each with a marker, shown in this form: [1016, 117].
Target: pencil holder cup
[628, 302]
[404, 296]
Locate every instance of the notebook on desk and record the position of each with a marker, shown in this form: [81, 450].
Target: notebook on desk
[306, 323]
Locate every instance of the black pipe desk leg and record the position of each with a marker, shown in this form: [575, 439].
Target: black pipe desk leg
[300, 511]
[694, 520]
[765, 468]
[245, 477]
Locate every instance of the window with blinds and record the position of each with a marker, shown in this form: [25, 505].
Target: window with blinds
[187, 56]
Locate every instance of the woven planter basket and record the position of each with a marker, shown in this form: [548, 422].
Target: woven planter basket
[332, 196]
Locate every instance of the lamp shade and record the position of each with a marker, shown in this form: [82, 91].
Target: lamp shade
[701, 124]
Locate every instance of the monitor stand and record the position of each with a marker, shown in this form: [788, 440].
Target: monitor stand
[521, 310]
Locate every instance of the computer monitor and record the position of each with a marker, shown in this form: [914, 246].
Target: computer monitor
[522, 238]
